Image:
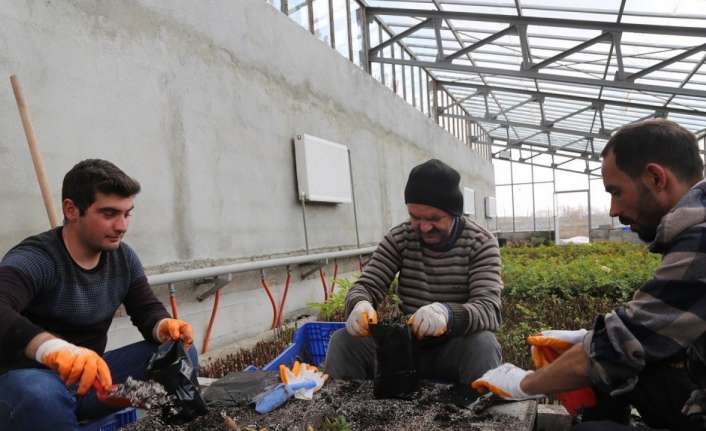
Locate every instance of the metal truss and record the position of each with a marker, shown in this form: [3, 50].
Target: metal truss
[657, 77]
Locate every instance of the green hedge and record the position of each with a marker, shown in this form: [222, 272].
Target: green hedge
[603, 270]
[560, 287]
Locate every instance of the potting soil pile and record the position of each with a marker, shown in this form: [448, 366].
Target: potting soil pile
[345, 405]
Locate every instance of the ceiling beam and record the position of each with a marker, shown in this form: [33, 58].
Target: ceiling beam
[540, 21]
[526, 74]
[582, 99]
[666, 62]
[532, 126]
[558, 168]
[493, 37]
[424, 24]
[580, 47]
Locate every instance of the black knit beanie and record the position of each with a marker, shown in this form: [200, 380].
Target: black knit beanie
[436, 184]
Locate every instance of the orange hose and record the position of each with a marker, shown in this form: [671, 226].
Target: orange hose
[284, 298]
[216, 300]
[323, 282]
[335, 273]
[272, 301]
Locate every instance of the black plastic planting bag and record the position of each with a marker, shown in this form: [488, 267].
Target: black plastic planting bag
[239, 388]
[172, 368]
[395, 368]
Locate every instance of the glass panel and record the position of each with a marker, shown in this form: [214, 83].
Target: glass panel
[398, 70]
[542, 174]
[277, 4]
[357, 32]
[502, 171]
[570, 181]
[375, 71]
[340, 26]
[425, 94]
[544, 206]
[523, 207]
[572, 216]
[504, 208]
[521, 173]
[600, 204]
[321, 20]
[299, 12]
[409, 88]
[388, 68]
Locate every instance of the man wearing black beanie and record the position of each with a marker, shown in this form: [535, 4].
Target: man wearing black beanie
[449, 283]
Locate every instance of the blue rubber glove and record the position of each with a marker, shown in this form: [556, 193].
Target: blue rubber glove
[275, 397]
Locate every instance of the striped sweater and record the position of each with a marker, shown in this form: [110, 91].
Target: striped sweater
[466, 277]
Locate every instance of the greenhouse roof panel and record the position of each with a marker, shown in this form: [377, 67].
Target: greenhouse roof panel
[552, 73]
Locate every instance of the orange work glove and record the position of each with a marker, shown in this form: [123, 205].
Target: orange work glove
[549, 345]
[175, 329]
[74, 364]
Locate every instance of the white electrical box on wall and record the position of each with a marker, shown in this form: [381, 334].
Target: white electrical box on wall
[490, 207]
[323, 170]
[469, 201]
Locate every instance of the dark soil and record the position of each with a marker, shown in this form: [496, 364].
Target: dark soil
[434, 407]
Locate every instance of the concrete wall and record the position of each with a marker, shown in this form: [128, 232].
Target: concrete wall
[200, 102]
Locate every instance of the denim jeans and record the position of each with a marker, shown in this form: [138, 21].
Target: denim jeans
[36, 399]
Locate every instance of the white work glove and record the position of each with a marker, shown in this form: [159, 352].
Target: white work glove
[301, 372]
[430, 320]
[549, 345]
[363, 313]
[504, 381]
[310, 372]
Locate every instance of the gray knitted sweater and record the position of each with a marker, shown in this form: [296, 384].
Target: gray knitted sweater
[465, 277]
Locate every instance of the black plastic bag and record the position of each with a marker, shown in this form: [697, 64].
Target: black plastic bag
[172, 368]
[395, 368]
[239, 388]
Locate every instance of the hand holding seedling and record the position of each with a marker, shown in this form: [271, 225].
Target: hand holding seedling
[363, 314]
[429, 321]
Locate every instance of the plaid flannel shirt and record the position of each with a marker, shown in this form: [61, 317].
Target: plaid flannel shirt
[667, 313]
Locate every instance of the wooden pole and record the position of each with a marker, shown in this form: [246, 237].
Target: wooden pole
[34, 151]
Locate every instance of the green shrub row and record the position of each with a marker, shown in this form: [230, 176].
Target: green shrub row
[603, 270]
[559, 287]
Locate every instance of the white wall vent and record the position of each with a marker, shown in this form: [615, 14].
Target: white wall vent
[490, 207]
[469, 201]
[323, 171]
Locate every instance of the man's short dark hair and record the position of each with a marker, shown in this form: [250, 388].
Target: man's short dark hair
[95, 175]
[656, 141]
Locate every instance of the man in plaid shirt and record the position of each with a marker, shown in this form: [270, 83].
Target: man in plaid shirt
[634, 355]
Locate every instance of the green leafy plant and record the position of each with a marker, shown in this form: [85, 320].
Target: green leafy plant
[333, 309]
[338, 424]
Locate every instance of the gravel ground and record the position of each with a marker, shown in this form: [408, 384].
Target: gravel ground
[434, 407]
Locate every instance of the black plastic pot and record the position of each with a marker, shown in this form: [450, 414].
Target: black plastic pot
[395, 369]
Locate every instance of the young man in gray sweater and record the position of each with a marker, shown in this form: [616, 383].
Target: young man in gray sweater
[449, 283]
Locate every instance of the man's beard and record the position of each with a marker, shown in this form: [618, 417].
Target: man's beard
[650, 215]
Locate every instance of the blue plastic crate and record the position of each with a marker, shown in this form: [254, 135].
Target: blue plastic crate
[309, 345]
[112, 422]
